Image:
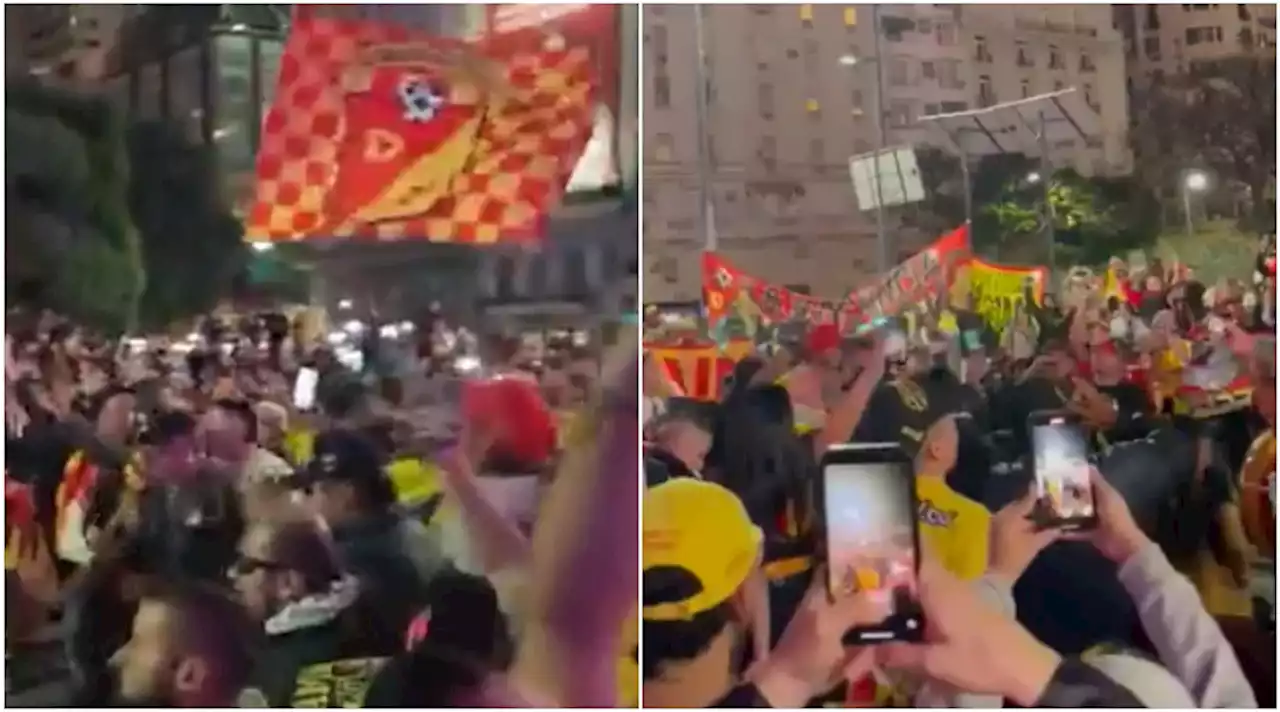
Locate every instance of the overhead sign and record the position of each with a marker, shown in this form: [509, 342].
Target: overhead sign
[898, 173]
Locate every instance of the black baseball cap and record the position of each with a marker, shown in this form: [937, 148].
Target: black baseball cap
[351, 457]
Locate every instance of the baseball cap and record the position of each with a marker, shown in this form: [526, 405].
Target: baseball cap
[702, 530]
[352, 457]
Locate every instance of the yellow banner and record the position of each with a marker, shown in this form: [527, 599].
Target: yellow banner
[999, 291]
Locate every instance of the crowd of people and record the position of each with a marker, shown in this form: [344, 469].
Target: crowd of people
[1161, 602]
[181, 533]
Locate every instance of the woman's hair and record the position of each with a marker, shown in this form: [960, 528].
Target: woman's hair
[677, 641]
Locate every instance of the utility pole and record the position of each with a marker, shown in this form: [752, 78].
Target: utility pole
[707, 208]
[882, 235]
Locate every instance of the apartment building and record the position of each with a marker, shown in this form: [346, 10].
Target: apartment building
[1170, 38]
[791, 94]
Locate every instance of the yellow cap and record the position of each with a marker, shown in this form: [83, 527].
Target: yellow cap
[704, 529]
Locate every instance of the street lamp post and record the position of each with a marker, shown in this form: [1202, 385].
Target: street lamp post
[882, 237]
[1193, 182]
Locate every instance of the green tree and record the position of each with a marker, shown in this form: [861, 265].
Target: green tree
[1220, 116]
[71, 244]
[192, 243]
[1093, 219]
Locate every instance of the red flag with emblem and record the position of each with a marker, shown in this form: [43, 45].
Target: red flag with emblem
[380, 131]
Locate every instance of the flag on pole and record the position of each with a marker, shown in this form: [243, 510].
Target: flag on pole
[381, 132]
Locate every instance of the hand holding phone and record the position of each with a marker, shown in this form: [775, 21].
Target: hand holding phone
[872, 546]
[1064, 491]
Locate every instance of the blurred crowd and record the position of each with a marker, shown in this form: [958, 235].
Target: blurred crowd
[1167, 601]
[183, 530]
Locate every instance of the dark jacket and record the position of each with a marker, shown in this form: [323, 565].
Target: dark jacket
[395, 559]
[292, 672]
[660, 466]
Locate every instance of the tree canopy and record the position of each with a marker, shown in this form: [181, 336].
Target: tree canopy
[1094, 218]
[115, 224]
[1219, 116]
[192, 243]
[71, 243]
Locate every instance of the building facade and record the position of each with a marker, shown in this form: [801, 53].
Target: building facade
[1165, 39]
[791, 94]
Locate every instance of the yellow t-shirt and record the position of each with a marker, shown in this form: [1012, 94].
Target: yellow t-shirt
[953, 528]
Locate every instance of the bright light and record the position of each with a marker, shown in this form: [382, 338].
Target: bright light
[336, 337]
[407, 327]
[193, 337]
[1033, 177]
[345, 303]
[1197, 181]
[354, 327]
[849, 60]
[467, 364]
[262, 246]
[389, 331]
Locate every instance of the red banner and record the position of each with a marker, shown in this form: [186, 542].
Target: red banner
[728, 292]
[379, 131]
[698, 369]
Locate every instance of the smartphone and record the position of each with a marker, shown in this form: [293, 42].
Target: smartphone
[304, 388]
[1064, 492]
[872, 545]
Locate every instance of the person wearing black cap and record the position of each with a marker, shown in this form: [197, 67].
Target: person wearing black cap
[393, 555]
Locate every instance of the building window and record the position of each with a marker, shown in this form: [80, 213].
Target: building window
[928, 70]
[664, 148]
[1055, 58]
[851, 17]
[806, 14]
[659, 41]
[1242, 12]
[900, 113]
[899, 72]
[924, 26]
[1086, 64]
[946, 33]
[1153, 17]
[930, 109]
[1024, 56]
[1151, 47]
[1026, 88]
[980, 51]
[949, 74]
[1090, 97]
[1059, 85]
[1203, 35]
[813, 108]
[764, 98]
[951, 107]
[768, 150]
[855, 98]
[986, 92]
[236, 108]
[661, 91]
[817, 152]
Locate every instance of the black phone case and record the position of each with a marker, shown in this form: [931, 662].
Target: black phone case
[896, 627]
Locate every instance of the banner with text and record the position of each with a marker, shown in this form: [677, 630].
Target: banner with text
[698, 369]
[998, 292]
[743, 306]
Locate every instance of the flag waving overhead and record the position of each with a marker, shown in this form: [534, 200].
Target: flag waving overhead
[380, 132]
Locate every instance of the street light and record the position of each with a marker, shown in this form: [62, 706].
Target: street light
[852, 61]
[345, 303]
[1033, 177]
[262, 246]
[1195, 181]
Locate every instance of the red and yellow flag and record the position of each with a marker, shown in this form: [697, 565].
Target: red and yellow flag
[378, 131]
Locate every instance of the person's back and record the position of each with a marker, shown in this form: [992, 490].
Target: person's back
[953, 528]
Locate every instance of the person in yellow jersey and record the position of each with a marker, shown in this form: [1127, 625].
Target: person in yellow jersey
[953, 528]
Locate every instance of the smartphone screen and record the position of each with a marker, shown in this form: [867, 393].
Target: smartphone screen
[872, 545]
[1063, 490]
[304, 388]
